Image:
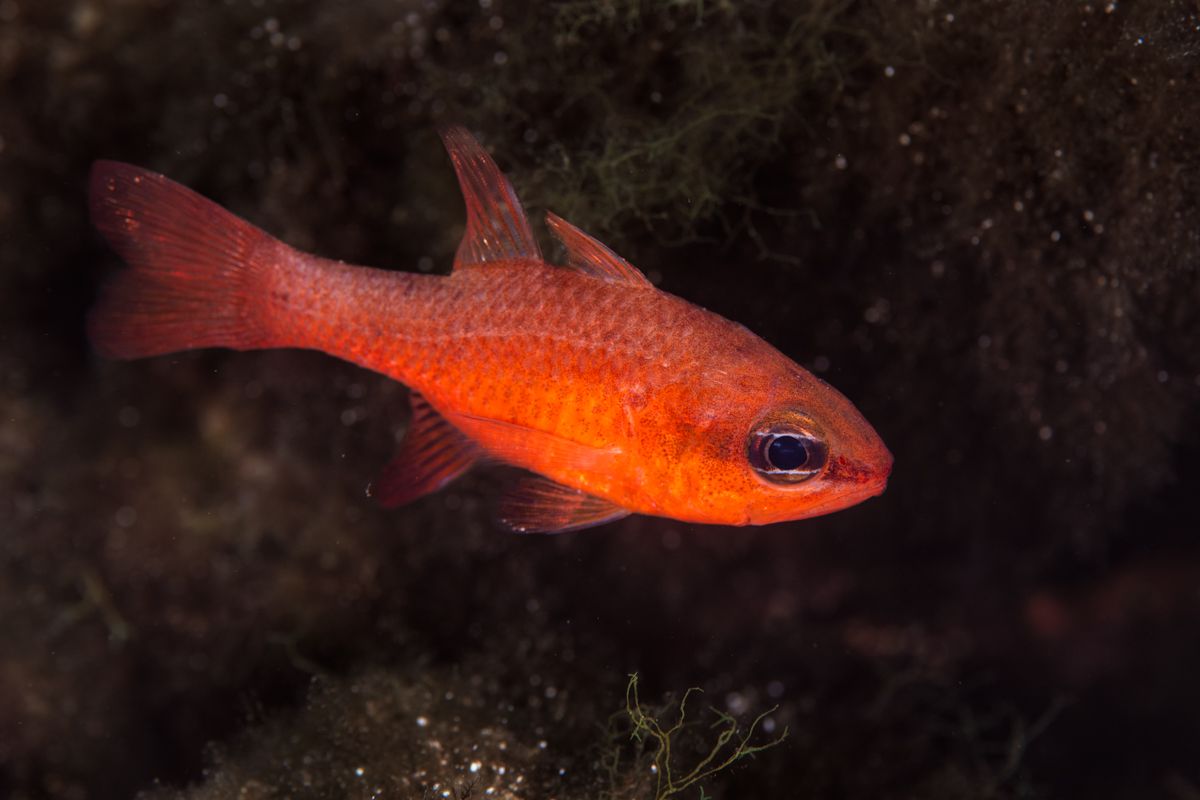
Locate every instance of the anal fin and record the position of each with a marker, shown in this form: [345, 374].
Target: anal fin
[432, 454]
[539, 505]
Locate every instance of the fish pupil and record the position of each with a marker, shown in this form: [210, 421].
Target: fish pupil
[787, 452]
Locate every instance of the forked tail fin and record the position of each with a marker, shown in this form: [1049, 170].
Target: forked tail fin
[198, 274]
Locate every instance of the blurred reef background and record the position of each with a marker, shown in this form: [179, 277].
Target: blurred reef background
[979, 220]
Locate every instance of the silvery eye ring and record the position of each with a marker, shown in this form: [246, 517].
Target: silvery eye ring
[786, 455]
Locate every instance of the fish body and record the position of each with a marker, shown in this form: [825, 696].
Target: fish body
[621, 398]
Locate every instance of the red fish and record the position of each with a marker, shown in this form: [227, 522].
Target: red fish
[618, 397]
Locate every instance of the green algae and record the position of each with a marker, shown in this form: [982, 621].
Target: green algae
[657, 739]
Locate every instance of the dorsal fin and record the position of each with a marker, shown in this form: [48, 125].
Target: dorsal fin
[497, 228]
[589, 255]
[432, 454]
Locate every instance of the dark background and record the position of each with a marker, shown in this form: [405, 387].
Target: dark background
[978, 220]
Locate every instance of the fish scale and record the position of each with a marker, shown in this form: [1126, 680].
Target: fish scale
[618, 397]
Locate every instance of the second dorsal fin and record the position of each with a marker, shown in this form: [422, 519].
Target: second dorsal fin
[587, 254]
[497, 228]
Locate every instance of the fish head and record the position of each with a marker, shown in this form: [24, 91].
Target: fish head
[768, 443]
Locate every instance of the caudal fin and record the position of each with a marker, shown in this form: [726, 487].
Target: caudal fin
[197, 272]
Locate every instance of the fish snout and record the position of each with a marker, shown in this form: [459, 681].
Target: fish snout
[880, 468]
[881, 464]
[863, 474]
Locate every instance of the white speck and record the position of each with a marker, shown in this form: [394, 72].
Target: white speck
[949, 18]
[1045, 432]
[500, 58]
[126, 516]
[221, 100]
[1055, 236]
[475, 766]
[840, 161]
[889, 71]
[768, 725]
[905, 140]
[877, 312]
[1088, 215]
[671, 540]
[1163, 377]
[422, 722]
[542, 744]
[359, 771]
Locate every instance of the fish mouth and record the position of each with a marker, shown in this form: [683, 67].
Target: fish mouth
[867, 476]
[840, 496]
[846, 483]
[883, 470]
[858, 480]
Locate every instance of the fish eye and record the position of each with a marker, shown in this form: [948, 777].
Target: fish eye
[786, 455]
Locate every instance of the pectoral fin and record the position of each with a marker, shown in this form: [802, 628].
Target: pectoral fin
[432, 454]
[539, 505]
[531, 448]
